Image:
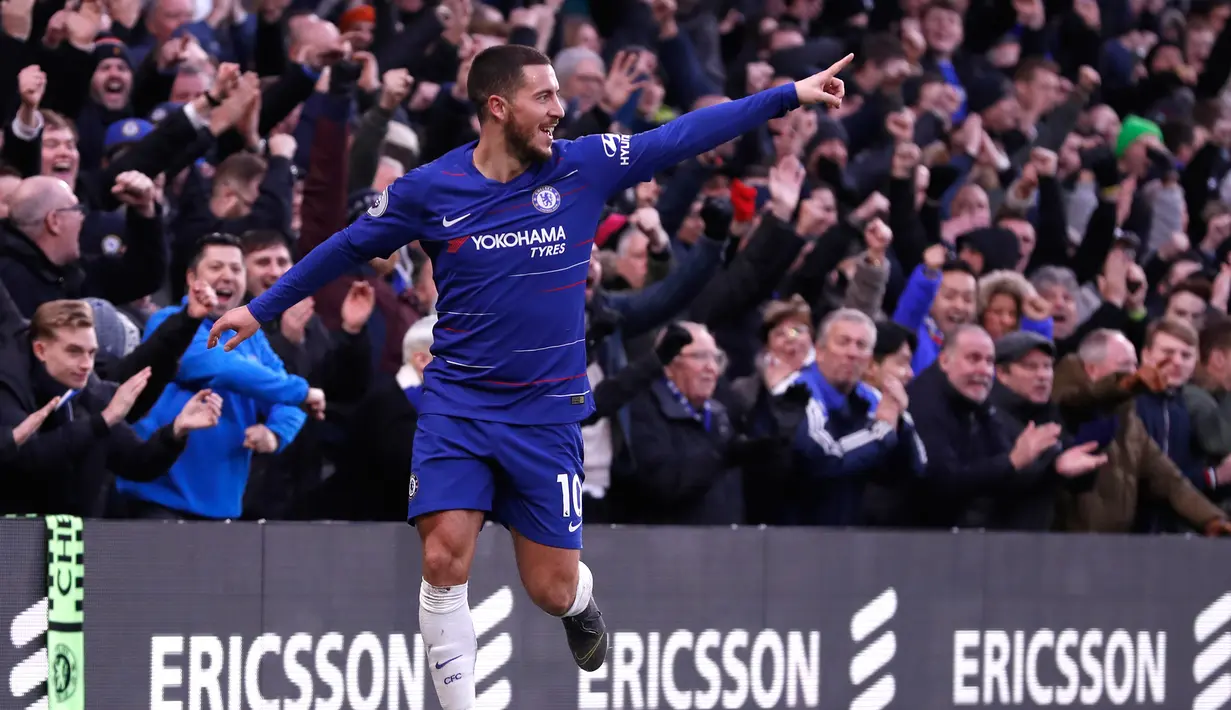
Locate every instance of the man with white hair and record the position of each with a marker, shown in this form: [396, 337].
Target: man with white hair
[590, 93]
[416, 355]
[581, 73]
[852, 432]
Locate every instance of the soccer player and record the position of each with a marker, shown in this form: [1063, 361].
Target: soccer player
[509, 224]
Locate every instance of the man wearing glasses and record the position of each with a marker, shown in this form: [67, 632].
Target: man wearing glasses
[40, 245]
[684, 444]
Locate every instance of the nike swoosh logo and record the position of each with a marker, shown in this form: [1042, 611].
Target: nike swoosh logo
[572, 527]
[569, 175]
[442, 665]
[450, 222]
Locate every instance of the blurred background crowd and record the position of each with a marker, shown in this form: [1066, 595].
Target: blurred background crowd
[989, 291]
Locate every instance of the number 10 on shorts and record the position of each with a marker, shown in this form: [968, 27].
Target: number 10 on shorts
[567, 490]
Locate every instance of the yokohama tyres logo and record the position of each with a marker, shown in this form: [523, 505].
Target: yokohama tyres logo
[1214, 650]
[27, 632]
[873, 655]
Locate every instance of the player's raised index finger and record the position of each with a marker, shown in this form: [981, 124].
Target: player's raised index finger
[838, 66]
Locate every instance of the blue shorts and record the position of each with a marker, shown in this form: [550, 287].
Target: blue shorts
[527, 478]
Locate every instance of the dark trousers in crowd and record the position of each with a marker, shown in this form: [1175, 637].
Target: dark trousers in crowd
[138, 509]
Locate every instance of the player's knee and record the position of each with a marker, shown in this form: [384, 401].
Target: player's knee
[552, 591]
[445, 562]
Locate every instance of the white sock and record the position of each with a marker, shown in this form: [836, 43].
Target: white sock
[448, 633]
[585, 589]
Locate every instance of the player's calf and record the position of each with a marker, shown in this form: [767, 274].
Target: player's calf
[552, 588]
[559, 583]
[444, 608]
[448, 633]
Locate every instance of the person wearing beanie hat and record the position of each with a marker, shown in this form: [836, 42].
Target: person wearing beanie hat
[359, 22]
[111, 83]
[1135, 128]
[989, 249]
[117, 334]
[1140, 150]
[106, 100]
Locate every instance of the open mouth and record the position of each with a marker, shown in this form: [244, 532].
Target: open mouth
[224, 294]
[548, 131]
[113, 86]
[62, 167]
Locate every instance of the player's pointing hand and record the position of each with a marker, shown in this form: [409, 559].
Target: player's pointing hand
[824, 87]
[239, 320]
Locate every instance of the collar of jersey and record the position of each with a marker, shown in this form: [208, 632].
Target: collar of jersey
[525, 180]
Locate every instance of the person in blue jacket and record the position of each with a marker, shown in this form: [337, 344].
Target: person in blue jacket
[853, 434]
[939, 297]
[263, 406]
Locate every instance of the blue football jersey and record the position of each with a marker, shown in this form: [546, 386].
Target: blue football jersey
[510, 260]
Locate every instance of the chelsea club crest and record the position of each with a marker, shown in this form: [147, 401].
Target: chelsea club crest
[414, 487]
[378, 207]
[546, 199]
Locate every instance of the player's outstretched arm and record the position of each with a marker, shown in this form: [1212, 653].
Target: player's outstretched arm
[390, 224]
[696, 132]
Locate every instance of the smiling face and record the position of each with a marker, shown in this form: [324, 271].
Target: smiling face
[969, 364]
[529, 114]
[60, 157]
[222, 267]
[68, 354]
[265, 266]
[112, 83]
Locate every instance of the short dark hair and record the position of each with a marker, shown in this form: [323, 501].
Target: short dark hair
[880, 48]
[261, 239]
[241, 168]
[497, 71]
[949, 5]
[890, 337]
[1178, 133]
[1215, 336]
[958, 265]
[213, 239]
[1198, 286]
[1006, 212]
[1031, 66]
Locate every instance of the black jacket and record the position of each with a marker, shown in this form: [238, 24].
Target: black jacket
[373, 470]
[685, 474]
[1035, 507]
[341, 365]
[969, 481]
[67, 467]
[160, 351]
[32, 279]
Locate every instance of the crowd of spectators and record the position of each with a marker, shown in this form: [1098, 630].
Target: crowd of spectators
[989, 291]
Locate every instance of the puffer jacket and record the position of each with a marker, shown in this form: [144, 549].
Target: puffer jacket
[1136, 466]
